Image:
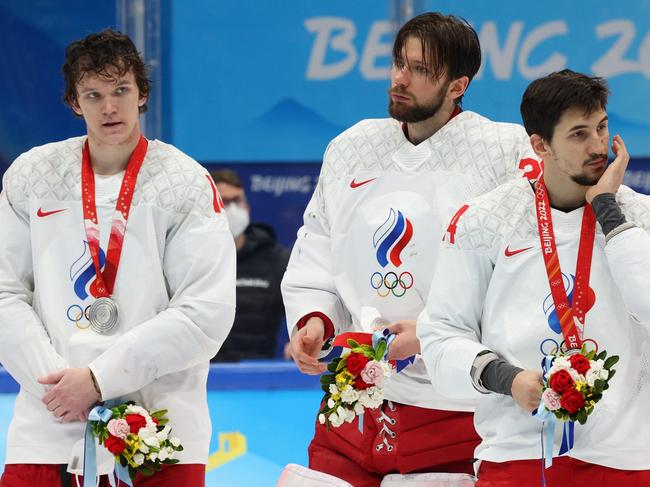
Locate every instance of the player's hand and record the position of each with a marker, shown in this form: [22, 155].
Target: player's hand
[527, 389]
[306, 345]
[613, 176]
[286, 351]
[406, 343]
[72, 394]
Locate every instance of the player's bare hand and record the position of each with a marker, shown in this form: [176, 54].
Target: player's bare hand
[306, 345]
[527, 389]
[406, 343]
[613, 176]
[72, 394]
[286, 351]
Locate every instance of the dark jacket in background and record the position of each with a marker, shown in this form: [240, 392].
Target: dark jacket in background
[261, 263]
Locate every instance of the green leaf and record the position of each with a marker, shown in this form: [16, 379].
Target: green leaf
[381, 349]
[611, 361]
[327, 379]
[159, 414]
[601, 355]
[582, 416]
[611, 374]
[599, 386]
[352, 343]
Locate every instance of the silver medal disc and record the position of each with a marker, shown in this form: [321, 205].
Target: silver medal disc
[102, 315]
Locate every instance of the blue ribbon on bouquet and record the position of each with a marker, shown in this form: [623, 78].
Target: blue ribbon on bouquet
[549, 421]
[389, 337]
[103, 414]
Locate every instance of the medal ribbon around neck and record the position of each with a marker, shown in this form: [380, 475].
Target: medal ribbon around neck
[106, 280]
[565, 313]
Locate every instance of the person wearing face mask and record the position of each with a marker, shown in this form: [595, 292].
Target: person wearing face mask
[261, 262]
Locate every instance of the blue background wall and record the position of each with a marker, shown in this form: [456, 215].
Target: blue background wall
[263, 86]
[274, 81]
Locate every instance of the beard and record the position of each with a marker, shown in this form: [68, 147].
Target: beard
[416, 113]
[587, 179]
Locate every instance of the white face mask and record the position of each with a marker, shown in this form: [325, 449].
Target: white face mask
[238, 219]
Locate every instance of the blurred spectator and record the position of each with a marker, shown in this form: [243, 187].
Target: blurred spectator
[261, 262]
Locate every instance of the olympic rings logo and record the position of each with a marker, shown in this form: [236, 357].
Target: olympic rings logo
[549, 346]
[76, 313]
[391, 283]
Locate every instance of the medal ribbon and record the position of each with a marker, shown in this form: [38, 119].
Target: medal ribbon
[568, 316]
[106, 281]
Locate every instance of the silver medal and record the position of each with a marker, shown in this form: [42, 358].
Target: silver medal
[102, 315]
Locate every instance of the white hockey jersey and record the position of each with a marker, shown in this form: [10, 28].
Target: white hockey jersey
[491, 290]
[371, 230]
[175, 289]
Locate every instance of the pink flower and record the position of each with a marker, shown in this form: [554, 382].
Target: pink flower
[551, 399]
[373, 373]
[119, 428]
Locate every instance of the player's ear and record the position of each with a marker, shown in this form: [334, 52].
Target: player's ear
[540, 146]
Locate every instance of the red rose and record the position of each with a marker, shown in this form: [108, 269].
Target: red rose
[136, 421]
[155, 420]
[572, 401]
[561, 382]
[355, 362]
[360, 384]
[580, 363]
[115, 445]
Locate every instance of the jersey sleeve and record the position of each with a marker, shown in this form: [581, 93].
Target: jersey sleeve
[26, 350]
[308, 287]
[449, 327]
[628, 255]
[199, 267]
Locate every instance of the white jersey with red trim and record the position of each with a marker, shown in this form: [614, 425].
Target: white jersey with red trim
[491, 291]
[371, 230]
[175, 289]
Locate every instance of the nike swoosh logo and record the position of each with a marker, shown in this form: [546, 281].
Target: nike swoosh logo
[510, 253]
[42, 214]
[355, 184]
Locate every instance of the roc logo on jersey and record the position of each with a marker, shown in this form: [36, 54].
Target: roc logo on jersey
[82, 276]
[389, 240]
[550, 345]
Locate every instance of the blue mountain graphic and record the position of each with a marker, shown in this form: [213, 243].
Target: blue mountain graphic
[291, 128]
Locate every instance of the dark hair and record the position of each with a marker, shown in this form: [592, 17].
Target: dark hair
[227, 176]
[450, 46]
[106, 54]
[547, 98]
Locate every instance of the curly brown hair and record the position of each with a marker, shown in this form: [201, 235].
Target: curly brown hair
[108, 54]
